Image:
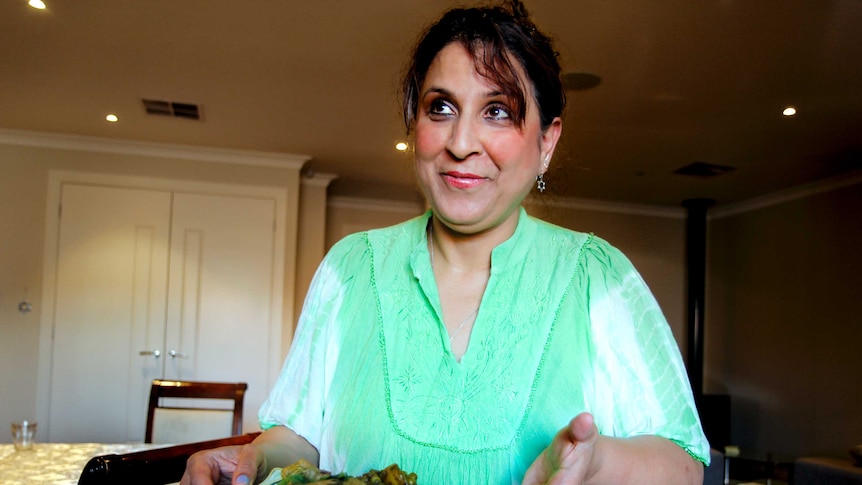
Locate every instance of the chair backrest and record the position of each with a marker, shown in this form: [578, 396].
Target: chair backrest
[197, 421]
[151, 467]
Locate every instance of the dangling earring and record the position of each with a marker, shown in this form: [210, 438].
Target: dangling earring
[540, 179]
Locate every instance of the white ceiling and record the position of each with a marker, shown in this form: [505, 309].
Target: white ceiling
[683, 81]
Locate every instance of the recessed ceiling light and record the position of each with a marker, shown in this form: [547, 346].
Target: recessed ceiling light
[112, 118]
[37, 4]
[401, 146]
[789, 111]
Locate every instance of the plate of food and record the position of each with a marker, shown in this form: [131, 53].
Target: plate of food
[303, 472]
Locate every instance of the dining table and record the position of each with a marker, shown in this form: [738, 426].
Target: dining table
[55, 463]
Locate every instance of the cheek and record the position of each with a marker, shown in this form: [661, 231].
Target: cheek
[426, 147]
[514, 151]
[428, 141]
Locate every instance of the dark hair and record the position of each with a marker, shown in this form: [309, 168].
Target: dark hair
[493, 36]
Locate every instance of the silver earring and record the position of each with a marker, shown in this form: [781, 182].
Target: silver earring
[540, 182]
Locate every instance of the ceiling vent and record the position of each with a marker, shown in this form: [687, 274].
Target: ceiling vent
[580, 81]
[171, 108]
[703, 169]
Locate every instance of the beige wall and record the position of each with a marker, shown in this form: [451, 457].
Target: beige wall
[23, 193]
[783, 325]
[346, 215]
[311, 240]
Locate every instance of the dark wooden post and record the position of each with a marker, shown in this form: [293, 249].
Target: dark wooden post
[696, 284]
[714, 409]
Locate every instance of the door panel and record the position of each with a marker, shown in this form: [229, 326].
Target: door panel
[221, 290]
[111, 277]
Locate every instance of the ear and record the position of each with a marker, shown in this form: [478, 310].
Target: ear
[549, 141]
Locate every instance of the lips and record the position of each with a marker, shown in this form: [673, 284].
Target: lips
[462, 180]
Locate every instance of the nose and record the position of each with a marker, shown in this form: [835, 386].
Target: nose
[464, 139]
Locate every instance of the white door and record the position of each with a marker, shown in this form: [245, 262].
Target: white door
[220, 297]
[110, 302]
[158, 284]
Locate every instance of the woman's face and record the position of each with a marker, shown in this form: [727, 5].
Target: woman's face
[474, 163]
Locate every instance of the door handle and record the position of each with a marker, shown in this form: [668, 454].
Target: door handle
[155, 353]
[178, 355]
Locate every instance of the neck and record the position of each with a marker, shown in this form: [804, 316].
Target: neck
[466, 253]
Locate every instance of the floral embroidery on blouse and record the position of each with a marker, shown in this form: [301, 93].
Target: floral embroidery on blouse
[436, 400]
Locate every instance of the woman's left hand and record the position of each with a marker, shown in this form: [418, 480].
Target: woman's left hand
[569, 459]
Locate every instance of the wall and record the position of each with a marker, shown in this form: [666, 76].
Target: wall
[23, 194]
[783, 327]
[311, 240]
[346, 215]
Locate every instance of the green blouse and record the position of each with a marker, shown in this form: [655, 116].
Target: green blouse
[566, 325]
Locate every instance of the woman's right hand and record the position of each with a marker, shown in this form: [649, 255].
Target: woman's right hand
[244, 465]
[236, 465]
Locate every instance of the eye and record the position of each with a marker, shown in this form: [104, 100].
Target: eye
[498, 112]
[439, 107]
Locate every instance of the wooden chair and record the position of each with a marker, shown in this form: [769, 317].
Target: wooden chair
[197, 421]
[151, 467]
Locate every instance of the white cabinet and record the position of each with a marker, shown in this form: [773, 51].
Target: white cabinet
[159, 282]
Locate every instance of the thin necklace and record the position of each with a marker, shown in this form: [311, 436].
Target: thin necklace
[461, 325]
[431, 251]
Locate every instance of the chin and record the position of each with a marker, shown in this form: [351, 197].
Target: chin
[460, 211]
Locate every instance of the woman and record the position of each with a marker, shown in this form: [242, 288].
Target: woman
[475, 344]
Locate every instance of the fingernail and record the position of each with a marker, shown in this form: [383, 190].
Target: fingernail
[242, 480]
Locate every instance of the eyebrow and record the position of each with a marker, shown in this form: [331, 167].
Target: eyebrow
[436, 90]
[445, 92]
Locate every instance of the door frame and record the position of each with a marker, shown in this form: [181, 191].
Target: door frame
[56, 180]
